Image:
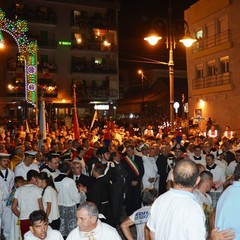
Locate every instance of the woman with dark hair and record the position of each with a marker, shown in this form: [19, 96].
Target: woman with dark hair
[50, 199]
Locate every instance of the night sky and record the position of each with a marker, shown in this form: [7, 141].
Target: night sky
[135, 20]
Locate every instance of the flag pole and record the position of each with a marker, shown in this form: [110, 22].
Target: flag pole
[94, 118]
[75, 117]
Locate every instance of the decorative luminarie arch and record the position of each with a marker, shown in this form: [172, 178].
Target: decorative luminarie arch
[28, 54]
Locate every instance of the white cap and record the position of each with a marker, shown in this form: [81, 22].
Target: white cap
[6, 155]
[31, 153]
[55, 154]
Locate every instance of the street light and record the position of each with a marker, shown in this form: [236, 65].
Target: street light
[140, 72]
[153, 38]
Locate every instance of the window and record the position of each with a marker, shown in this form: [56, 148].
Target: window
[199, 71]
[211, 68]
[199, 34]
[222, 24]
[210, 29]
[44, 59]
[210, 35]
[98, 60]
[43, 38]
[224, 64]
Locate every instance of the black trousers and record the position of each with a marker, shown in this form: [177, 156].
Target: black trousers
[133, 199]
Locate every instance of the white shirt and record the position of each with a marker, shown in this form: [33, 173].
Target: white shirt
[50, 195]
[103, 231]
[68, 194]
[150, 171]
[21, 169]
[51, 235]
[202, 199]
[27, 197]
[140, 218]
[177, 215]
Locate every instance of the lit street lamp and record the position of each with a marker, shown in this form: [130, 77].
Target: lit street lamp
[142, 90]
[153, 38]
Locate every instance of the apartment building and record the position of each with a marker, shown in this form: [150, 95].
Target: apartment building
[77, 45]
[213, 63]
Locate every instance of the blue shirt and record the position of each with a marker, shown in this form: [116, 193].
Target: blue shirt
[228, 210]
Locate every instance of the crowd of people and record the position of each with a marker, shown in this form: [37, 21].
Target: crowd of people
[171, 185]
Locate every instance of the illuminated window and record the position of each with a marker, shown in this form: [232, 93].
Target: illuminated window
[199, 34]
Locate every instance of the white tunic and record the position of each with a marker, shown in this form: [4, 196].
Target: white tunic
[52, 174]
[231, 168]
[103, 231]
[218, 177]
[68, 194]
[150, 171]
[6, 187]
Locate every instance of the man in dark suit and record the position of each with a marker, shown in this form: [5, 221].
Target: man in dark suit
[100, 193]
[135, 170]
[80, 178]
[118, 186]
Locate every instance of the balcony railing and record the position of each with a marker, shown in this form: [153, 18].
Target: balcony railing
[18, 89]
[38, 14]
[93, 46]
[212, 41]
[47, 68]
[95, 93]
[98, 20]
[211, 81]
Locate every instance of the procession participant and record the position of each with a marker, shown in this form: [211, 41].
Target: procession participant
[27, 164]
[90, 227]
[7, 183]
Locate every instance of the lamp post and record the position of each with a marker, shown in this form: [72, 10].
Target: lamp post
[142, 90]
[187, 40]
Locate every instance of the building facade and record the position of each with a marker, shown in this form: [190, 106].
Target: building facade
[77, 45]
[213, 63]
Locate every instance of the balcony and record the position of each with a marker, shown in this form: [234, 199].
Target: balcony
[94, 46]
[84, 20]
[212, 41]
[39, 14]
[46, 68]
[211, 81]
[97, 93]
[45, 87]
[93, 68]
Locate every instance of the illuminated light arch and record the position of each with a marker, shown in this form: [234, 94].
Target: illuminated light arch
[28, 54]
